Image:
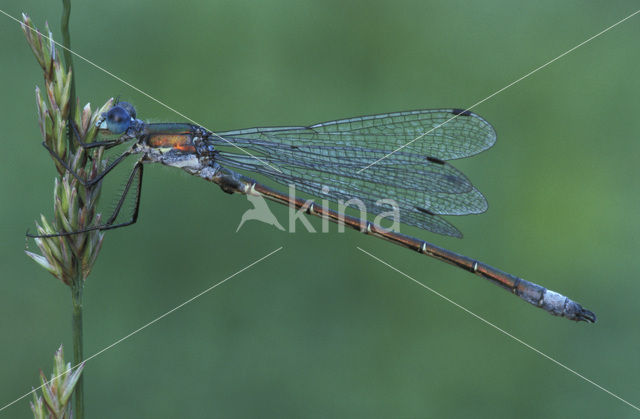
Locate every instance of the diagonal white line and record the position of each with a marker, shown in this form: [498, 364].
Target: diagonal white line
[504, 88]
[482, 319]
[140, 91]
[145, 326]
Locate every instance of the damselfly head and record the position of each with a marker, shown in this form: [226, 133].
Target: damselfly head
[128, 107]
[118, 119]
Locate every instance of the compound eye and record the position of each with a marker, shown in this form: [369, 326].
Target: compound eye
[118, 120]
[129, 108]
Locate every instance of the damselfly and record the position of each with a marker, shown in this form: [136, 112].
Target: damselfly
[362, 157]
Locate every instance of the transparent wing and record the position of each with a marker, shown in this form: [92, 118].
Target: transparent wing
[466, 135]
[331, 155]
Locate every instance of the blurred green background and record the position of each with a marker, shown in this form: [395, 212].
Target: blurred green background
[321, 329]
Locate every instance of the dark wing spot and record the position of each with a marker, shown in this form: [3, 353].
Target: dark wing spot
[434, 160]
[461, 112]
[426, 211]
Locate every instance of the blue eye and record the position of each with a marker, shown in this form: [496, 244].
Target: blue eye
[118, 120]
[129, 108]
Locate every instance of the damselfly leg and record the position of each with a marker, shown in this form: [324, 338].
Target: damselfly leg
[119, 120]
[134, 177]
[107, 144]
